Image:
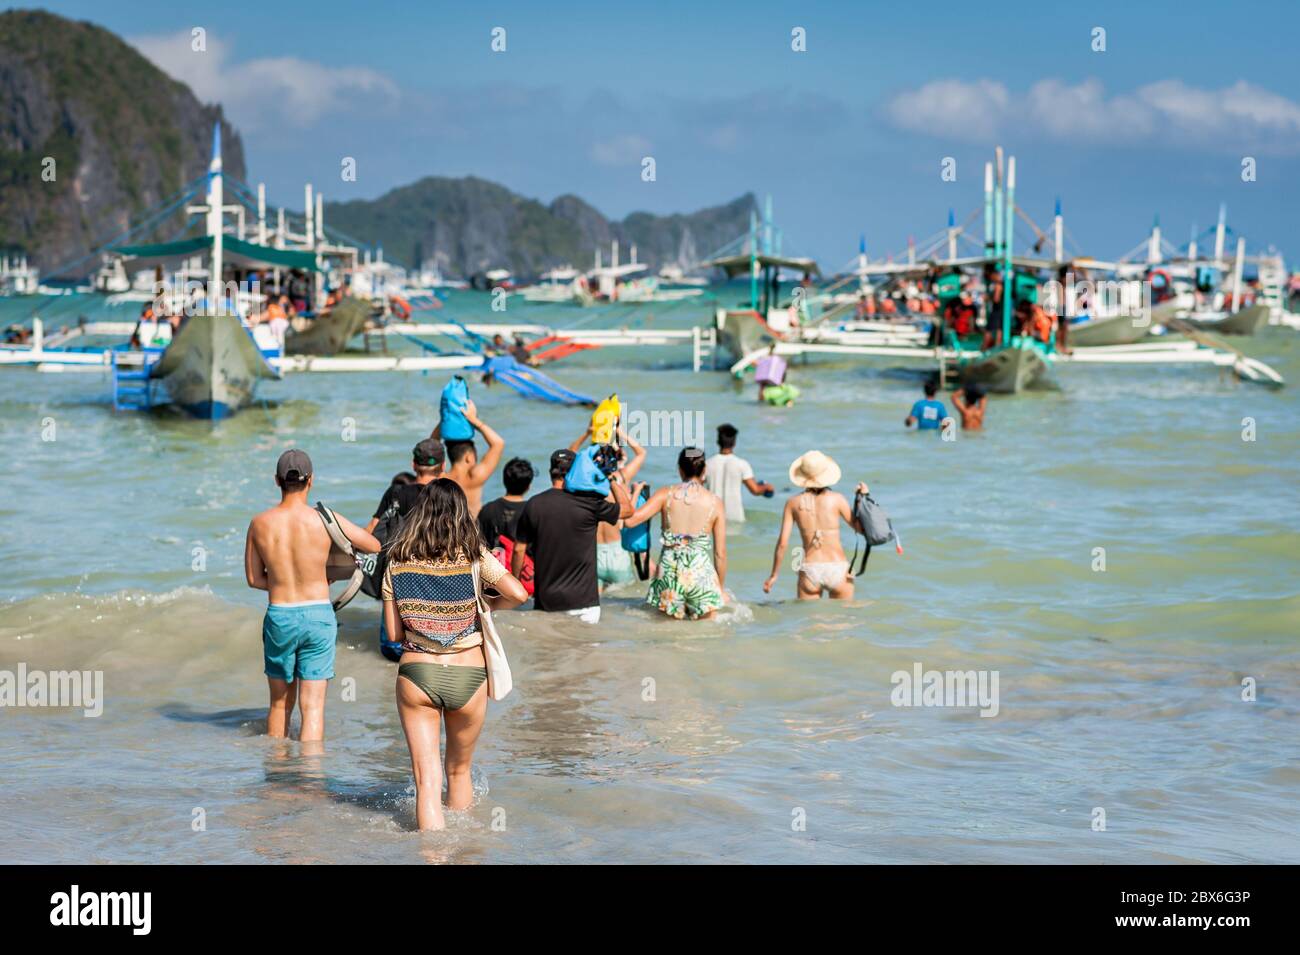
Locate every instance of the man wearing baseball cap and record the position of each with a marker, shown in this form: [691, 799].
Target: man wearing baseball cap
[285, 554]
[427, 459]
[427, 462]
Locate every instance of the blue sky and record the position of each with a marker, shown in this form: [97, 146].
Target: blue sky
[848, 136]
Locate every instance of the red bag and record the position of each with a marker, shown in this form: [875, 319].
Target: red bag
[504, 552]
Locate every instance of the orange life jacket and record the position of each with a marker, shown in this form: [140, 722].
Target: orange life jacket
[1040, 324]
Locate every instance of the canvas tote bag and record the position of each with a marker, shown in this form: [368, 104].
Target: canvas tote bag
[494, 652]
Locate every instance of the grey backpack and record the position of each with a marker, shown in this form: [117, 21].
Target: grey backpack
[876, 526]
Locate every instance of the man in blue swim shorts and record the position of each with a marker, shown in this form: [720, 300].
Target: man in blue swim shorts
[285, 554]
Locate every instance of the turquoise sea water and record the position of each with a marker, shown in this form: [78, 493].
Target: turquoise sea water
[770, 734]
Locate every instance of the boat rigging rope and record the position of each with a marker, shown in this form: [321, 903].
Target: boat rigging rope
[181, 198]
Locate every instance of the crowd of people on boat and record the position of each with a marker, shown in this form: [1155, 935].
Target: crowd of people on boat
[968, 306]
[280, 308]
[445, 559]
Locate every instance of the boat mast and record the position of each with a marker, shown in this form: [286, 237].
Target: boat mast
[1191, 246]
[988, 208]
[999, 185]
[753, 261]
[317, 283]
[767, 224]
[261, 213]
[952, 236]
[1006, 248]
[1058, 229]
[1218, 234]
[308, 207]
[1153, 246]
[1237, 269]
[216, 198]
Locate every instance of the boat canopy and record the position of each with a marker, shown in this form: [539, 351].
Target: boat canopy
[735, 265]
[234, 251]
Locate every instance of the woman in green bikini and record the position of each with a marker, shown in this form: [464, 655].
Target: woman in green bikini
[429, 598]
[693, 558]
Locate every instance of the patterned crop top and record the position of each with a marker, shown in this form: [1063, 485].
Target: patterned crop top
[435, 601]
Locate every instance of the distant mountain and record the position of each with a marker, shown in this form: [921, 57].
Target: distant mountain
[123, 135]
[465, 226]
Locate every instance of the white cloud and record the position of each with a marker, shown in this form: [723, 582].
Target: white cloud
[622, 150]
[264, 93]
[952, 108]
[1236, 116]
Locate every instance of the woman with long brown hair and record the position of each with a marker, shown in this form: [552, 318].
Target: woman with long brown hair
[430, 599]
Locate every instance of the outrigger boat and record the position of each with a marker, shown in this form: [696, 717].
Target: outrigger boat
[1202, 292]
[999, 357]
[212, 364]
[209, 357]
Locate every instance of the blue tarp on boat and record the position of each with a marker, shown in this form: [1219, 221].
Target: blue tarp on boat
[531, 383]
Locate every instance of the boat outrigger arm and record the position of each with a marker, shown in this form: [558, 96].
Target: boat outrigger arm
[1198, 352]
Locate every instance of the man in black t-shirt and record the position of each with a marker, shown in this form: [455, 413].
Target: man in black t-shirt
[426, 460]
[557, 528]
[497, 520]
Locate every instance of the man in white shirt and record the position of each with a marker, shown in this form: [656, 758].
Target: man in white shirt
[726, 472]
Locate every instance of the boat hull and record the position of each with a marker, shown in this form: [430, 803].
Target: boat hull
[212, 367]
[330, 334]
[740, 332]
[1115, 330]
[1009, 369]
[1246, 321]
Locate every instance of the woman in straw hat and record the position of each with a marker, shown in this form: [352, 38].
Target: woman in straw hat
[817, 510]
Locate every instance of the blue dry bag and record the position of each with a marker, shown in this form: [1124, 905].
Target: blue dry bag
[585, 475]
[452, 408]
[637, 539]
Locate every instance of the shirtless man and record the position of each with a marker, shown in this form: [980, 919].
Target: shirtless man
[463, 463]
[971, 403]
[285, 555]
[817, 510]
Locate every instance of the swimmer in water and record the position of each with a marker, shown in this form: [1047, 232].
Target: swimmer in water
[971, 403]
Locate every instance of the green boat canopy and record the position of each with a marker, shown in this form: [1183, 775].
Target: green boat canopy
[234, 252]
[735, 265]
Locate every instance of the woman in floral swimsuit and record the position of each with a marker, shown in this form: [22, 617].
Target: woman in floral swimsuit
[693, 559]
